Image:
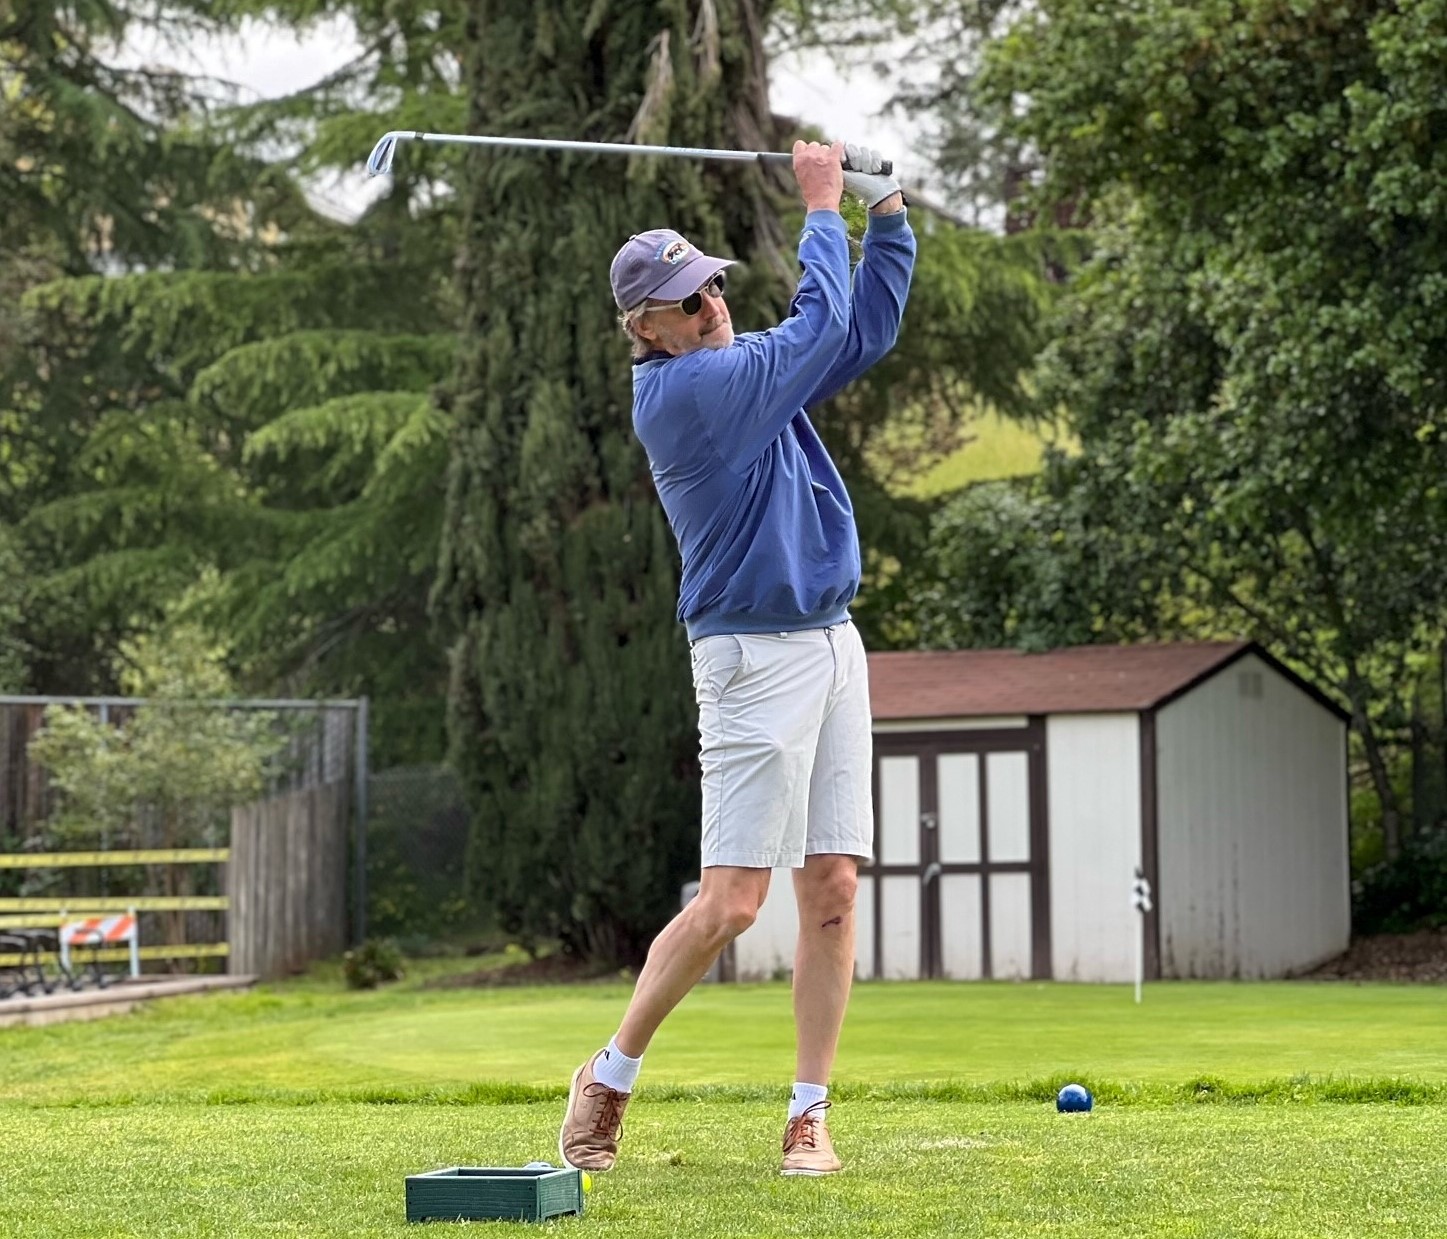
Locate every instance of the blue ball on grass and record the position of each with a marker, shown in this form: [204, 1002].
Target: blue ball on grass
[1074, 1099]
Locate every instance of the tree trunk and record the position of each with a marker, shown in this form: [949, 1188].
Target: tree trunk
[1377, 765]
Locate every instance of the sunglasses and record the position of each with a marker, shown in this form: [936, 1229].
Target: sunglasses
[693, 303]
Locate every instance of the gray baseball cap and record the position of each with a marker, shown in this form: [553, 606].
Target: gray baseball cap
[660, 263]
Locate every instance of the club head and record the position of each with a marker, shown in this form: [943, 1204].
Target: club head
[379, 162]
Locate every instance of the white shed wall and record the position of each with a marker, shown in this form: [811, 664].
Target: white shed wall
[1095, 836]
[962, 942]
[1253, 864]
[993, 722]
[766, 948]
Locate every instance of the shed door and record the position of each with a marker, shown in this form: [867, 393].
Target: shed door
[960, 883]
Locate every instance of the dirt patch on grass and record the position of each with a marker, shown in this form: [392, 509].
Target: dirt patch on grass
[545, 970]
[1420, 956]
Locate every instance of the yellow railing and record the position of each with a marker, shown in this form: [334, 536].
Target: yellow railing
[116, 903]
[51, 911]
[152, 856]
[84, 955]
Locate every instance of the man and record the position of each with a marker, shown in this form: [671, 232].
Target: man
[770, 565]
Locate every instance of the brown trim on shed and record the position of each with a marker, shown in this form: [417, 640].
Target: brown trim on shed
[1150, 842]
[930, 948]
[1271, 661]
[926, 747]
[915, 687]
[1041, 945]
[872, 871]
[949, 870]
[1347, 814]
[954, 740]
[987, 937]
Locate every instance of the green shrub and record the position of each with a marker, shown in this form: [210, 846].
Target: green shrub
[1398, 896]
[375, 961]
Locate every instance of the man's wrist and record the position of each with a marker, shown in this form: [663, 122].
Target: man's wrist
[889, 206]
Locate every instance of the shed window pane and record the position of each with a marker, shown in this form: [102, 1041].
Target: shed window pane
[1010, 934]
[899, 810]
[1008, 805]
[900, 928]
[962, 939]
[959, 792]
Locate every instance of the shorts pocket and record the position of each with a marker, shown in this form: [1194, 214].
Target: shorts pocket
[718, 662]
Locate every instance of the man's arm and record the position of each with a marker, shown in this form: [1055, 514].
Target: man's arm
[876, 304]
[747, 394]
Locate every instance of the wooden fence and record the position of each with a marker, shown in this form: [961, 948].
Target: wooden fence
[287, 880]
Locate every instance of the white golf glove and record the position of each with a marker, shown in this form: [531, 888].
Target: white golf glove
[867, 181]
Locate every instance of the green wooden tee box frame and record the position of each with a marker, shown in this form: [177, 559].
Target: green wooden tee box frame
[479, 1193]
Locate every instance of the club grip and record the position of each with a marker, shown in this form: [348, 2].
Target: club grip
[886, 167]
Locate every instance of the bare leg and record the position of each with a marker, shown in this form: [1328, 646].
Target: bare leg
[728, 900]
[823, 961]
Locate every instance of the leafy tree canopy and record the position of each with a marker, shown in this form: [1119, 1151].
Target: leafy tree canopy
[1254, 357]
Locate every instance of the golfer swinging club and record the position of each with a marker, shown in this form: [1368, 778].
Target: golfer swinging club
[770, 565]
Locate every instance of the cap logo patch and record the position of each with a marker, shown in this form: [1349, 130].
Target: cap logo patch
[674, 253]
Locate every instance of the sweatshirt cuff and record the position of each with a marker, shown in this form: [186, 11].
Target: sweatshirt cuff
[830, 218]
[883, 225]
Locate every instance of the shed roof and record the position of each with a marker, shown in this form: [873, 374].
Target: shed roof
[1082, 679]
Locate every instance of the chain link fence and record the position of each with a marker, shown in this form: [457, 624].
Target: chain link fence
[416, 856]
[408, 869]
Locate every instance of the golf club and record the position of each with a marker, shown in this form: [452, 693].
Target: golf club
[380, 160]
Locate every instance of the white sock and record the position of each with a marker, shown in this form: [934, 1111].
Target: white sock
[804, 1096]
[615, 1069]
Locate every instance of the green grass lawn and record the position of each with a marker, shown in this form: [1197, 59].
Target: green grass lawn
[1261, 1110]
[998, 448]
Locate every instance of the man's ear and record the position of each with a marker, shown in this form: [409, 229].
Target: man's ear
[645, 333]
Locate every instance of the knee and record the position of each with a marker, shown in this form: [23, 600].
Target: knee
[832, 888]
[738, 916]
[727, 917]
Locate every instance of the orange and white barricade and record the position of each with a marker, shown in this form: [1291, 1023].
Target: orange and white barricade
[102, 931]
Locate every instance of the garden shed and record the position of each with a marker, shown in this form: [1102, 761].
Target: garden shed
[1016, 794]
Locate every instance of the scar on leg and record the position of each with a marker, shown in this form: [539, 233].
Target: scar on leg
[838, 920]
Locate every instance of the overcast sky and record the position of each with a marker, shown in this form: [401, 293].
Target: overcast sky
[844, 104]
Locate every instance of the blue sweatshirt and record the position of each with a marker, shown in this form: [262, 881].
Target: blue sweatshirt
[763, 522]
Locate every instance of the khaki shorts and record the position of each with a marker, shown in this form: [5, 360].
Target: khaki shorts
[787, 756]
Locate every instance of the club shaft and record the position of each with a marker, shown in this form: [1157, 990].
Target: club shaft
[606, 148]
[381, 159]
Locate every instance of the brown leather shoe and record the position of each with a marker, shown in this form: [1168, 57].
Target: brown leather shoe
[807, 1147]
[593, 1122]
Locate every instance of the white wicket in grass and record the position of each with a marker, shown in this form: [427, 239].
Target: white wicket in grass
[1140, 898]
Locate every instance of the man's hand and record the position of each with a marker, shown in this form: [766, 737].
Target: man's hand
[819, 170]
[867, 181]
